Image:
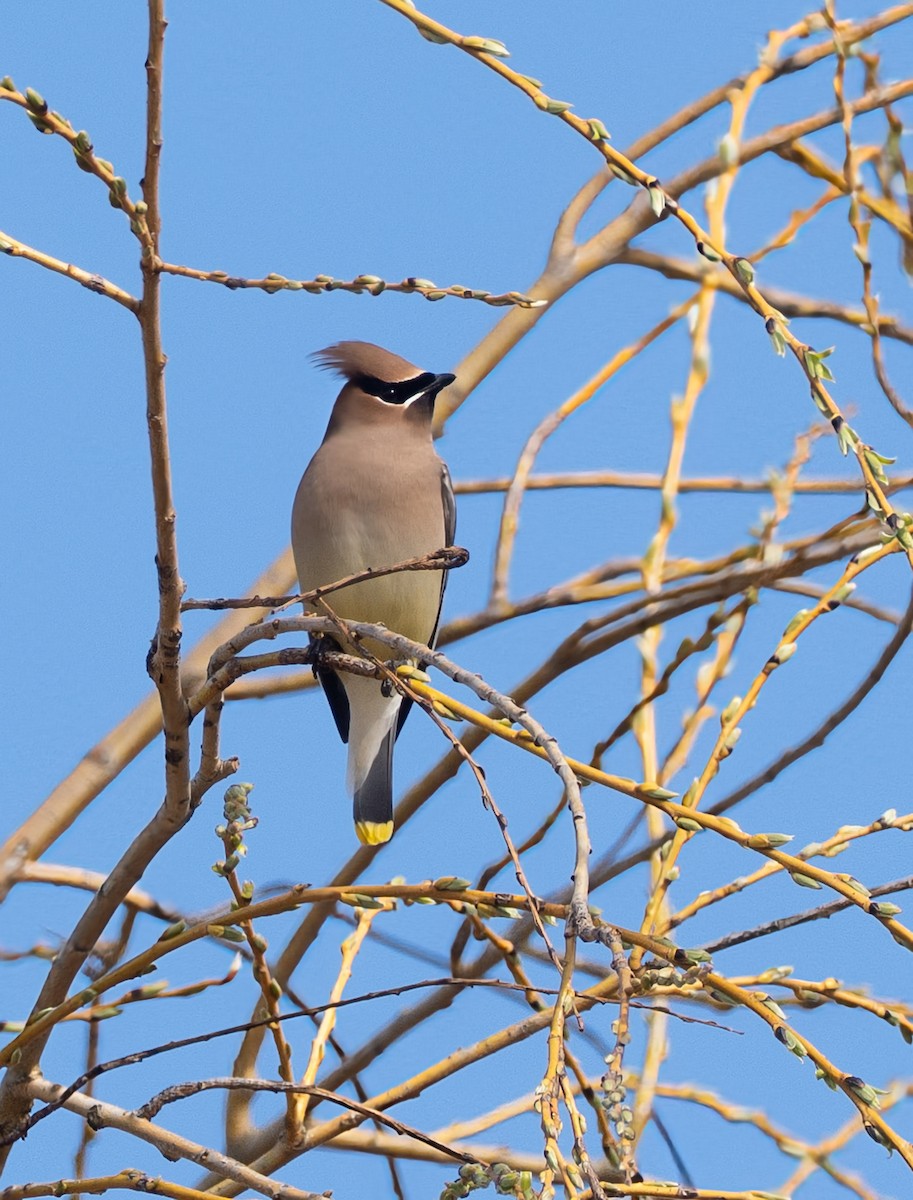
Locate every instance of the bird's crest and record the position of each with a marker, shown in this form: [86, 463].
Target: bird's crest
[358, 360]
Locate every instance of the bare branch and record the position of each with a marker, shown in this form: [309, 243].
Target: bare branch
[372, 284]
[95, 283]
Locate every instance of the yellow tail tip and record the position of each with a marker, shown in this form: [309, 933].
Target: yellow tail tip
[374, 833]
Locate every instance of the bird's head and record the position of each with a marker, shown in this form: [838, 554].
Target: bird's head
[380, 386]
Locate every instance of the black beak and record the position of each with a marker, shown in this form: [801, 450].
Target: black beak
[439, 383]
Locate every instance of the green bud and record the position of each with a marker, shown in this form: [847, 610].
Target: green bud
[85, 996]
[557, 107]
[775, 333]
[436, 38]
[796, 621]
[855, 884]
[730, 742]
[657, 198]
[484, 45]
[598, 131]
[474, 1174]
[7, 84]
[876, 1135]
[708, 252]
[451, 883]
[743, 269]
[768, 841]
[874, 462]
[150, 990]
[805, 881]
[884, 908]
[820, 403]
[784, 653]
[817, 368]
[357, 900]
[810, 999]
[863, 1091]
[655, 792]
[620, 173]
[728, 149]
[772, 1006]
[846, 436]
[839, 596]
[688, 798]
[36, 101]
[688, 824]
[173, 930]
[785, 1035]
[695, 955]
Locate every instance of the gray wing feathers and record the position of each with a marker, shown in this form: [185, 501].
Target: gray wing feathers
[337, 699]
[449, 504]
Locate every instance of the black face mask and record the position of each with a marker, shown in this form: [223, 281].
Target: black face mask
[395, 393]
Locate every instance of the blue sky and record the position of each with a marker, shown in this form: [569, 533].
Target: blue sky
[330, 138]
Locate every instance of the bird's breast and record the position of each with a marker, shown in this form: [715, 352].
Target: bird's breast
[348, 520]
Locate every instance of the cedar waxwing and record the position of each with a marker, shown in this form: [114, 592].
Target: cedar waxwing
[375, 494]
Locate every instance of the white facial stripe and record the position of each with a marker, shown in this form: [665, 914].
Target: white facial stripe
[402, 403]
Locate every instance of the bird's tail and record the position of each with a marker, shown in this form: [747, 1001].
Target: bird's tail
[370, 771]
[372, 804]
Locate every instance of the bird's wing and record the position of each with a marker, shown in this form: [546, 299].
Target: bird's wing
[449, 506]
[335, 693]
[449, 503]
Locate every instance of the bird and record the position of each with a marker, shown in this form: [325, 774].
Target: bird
[374, 494]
